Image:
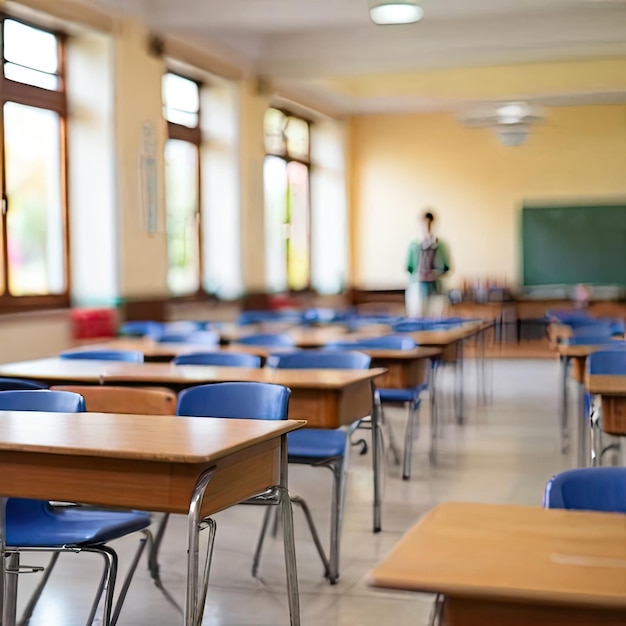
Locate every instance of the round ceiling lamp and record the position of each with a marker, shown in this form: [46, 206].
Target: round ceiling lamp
[386, 12]
[512, 136]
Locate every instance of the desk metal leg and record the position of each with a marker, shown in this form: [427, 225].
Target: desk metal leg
[288, 536]
[9, 568]
[583, 429]
[563, 408]
[434, 426]
[482, 392]
[376, 452]
[193, 610]
[460, 400]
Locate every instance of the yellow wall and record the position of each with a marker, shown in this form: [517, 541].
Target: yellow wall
[142, 255]
[403, 163]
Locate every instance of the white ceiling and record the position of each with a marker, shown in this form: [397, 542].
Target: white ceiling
[304, 40]
[322, 37]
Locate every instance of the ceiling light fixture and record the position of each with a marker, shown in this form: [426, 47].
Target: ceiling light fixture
[385, 12]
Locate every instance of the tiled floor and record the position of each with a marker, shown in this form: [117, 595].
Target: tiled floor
[505, 453]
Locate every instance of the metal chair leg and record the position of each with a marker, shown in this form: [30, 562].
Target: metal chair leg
[146, 539]
[107, 585]
[314, 534]
[339, 469]
[409, 438]
[259, 545]
[154, 566]
[393, 446]
[29, 609]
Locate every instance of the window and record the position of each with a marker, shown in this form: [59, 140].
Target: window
[287, 201]
[181, 109]
[33, 118]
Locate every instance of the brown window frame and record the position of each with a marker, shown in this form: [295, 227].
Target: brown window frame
[30, 95]
[192, 135]
[287, 158]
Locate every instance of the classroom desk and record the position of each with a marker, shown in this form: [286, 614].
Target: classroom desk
[451, 343]
[191, 466]
[155, 352]
[612, 390]
[575, 355]
[303, 337]
[324, 398]
[514, 566]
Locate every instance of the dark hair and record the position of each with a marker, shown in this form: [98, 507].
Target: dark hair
[429, 217]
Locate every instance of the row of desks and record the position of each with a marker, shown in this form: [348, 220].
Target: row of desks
[513, 565]
[183, 465]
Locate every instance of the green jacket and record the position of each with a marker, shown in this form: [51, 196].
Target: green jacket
[442, 259]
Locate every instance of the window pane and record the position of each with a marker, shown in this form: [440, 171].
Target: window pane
[181, 100]
[297, 133]
[35, 225]
[275, 183]
[298, 219]
[30, 47]
[31, 77]
[181, 180]
[275, 122]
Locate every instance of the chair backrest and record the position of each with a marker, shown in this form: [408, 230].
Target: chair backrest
[607, 362]
[235, 400]
[386, 342]
[184, 327]
[599, 330]
[420, 326]
[42, 400]
[204, 337]
[320, 359]
[268, 340]
[127, 356]
[607, 343]
[141, 329]
[219, 359]
[128, 400]
[600, 489]
[15, 384]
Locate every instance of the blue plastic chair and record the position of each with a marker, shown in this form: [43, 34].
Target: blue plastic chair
[41, 400]
[268, 340]
[126, 356]
[141, 329]
[13, 384]
[204, 337]
[323, 447]
[219, 359]
[36, 525]
[319, 359]
[409, 397]
[601, 489]
[246, 400]
[258, 401]
[609, 360]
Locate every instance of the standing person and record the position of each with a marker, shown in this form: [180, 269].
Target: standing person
[428, 261]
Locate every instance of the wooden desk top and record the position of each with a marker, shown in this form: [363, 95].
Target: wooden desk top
[580, 351]
[513, 553]
[304, 337]
[165, 373]
[139, 437]
[606, 385]
[56, 369]
[94, 372]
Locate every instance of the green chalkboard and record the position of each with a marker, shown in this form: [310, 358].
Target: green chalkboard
[567, 245]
